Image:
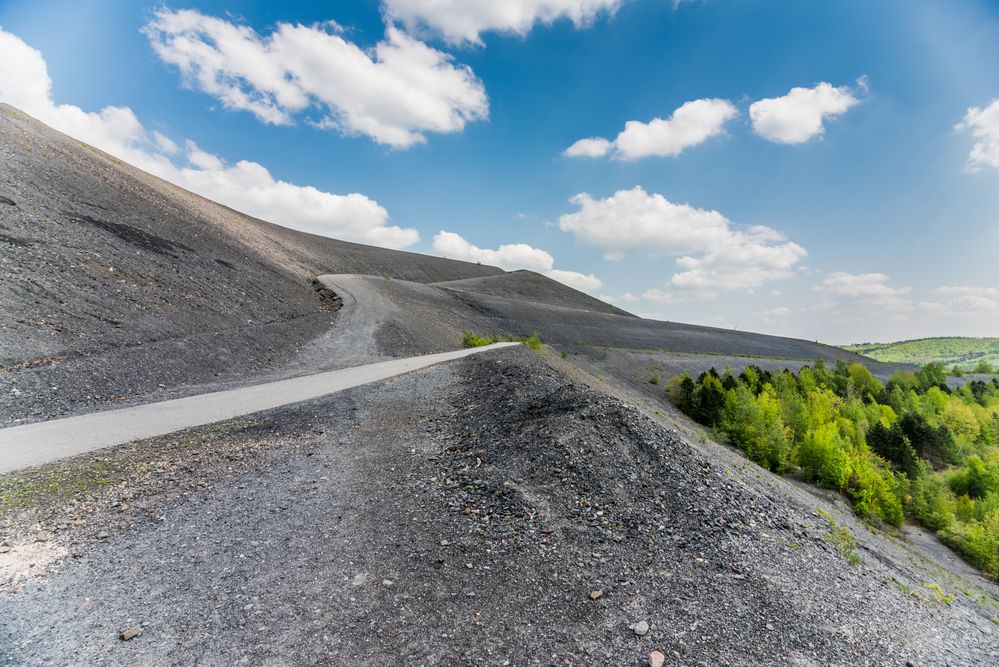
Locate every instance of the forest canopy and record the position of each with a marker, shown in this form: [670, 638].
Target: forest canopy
[910, 447]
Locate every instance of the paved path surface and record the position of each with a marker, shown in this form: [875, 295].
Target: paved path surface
[36, 444]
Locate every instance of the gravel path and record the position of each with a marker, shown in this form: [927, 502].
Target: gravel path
[517, 518]
[40, 443]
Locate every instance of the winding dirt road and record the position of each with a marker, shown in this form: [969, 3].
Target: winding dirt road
[35, 444]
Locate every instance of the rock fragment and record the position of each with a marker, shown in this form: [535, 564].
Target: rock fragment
[641, 628]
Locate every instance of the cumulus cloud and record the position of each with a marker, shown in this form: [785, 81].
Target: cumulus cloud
[465, 20]
[798, 116]
[974, 304]
[589, 147]
[713, 256]
[870, 288]
[507, 256]
[692, 123]
[584, 282]
[512, 256]
[984, 127]
[395, 93]
[245, 186]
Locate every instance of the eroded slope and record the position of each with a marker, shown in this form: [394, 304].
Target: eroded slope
[115, 282]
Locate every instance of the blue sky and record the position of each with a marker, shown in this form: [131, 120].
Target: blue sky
[863, 206]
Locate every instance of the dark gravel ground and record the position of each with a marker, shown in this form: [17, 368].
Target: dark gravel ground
[531, 286]
[378, 527]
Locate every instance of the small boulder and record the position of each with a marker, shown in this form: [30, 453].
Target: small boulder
[596, 595]
[130, 634]
[641, 628]
[656, 659]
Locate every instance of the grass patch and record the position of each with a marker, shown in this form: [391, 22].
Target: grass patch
[59, 483]
[841, 538]
[472, 339]
[939, 596]
[902, 587]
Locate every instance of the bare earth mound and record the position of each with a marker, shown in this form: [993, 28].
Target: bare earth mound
[118, 284]
[519, 517]
[531, 286]
[514, 508]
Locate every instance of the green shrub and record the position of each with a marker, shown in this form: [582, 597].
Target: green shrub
[471, 339]
[754, 424]
[974, 479]
[976, 541]
[825, 457]
[893, 446]
[874, 491]
[931, 502]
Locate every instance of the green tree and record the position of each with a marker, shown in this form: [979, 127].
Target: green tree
[863, 383]
[824, 456]
[893, 446]
[932, 375]
[935, 444]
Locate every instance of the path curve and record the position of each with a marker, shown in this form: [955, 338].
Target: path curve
[35, 444]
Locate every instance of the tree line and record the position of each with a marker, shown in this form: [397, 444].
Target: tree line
[908, 448]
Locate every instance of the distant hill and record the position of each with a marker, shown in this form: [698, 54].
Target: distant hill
[953, 351]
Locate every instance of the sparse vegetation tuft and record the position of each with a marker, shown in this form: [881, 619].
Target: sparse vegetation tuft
[841, 538]
[471, 339]
[939, 596]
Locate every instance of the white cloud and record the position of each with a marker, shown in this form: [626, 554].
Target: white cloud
[965, 289]
[589, 147]
[798, 116]
[869, 288]
[507, 256]
[692, 123]
[773, 315]
[780, 311]
[395, 93]
[512, 256]
[984, 126]
[656, 295]
[633, 220]
[972, 303]
[584, 282]
[245, 186]
[465, 20]
[627, 297]
[868, 307]
[712, 255]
